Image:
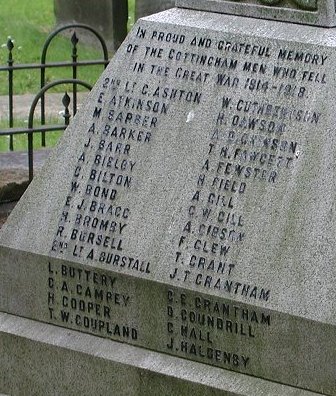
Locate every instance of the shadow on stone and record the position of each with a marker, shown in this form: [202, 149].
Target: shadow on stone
[13, 183]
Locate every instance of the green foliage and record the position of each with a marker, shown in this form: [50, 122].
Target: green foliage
[28, 23]
[21, 141]
[131, 13]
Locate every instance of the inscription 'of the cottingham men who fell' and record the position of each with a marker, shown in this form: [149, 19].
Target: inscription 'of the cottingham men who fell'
[181, 238]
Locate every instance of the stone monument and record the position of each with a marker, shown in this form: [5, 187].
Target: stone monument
[181, 238]
[108, 17]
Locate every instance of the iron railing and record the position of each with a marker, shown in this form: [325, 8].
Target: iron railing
[74, 64]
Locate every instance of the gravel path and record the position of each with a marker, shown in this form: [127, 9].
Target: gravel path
[22, 103]
[19, 159]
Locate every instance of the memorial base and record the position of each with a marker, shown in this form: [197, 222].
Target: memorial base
[42, 359]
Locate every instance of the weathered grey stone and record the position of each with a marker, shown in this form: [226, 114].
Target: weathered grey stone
[189, 209]
[312, 12]
[108, 17]
[99, 366]
[148, 7]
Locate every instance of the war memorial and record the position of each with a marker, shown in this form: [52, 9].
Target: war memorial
[180, 240]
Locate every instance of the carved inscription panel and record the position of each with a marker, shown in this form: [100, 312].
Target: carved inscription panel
[189, 160]
[171, 320]
[177, 321]
[157, 317]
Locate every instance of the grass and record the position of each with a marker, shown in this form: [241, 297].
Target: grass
[21, 141]
[29, 23]
[131, 13]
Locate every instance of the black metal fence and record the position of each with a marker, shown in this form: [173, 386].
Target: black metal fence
[40, 97]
